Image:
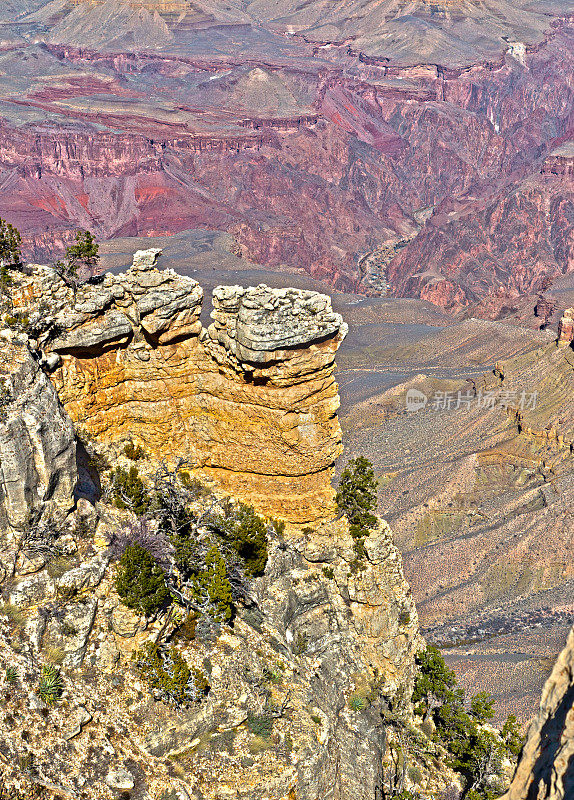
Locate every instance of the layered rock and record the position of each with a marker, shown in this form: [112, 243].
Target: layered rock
[546, 767]
[251, 403]
[309, 155]
[37, 446]
[566, 328]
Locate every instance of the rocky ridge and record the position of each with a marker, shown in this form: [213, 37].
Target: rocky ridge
[250, 402]
[546, 767]
[310, 639]
[307, 694]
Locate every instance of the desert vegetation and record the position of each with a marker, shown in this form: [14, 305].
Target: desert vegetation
[477, 751]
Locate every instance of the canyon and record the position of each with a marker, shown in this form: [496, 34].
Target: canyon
[311, 151]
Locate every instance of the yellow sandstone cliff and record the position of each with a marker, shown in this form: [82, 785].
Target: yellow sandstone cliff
[251, 402]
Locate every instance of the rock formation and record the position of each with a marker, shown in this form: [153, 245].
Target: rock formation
[308, 692]
[251, 402]
[546, 767]
[566, 328]
[312, 638]
[37, 446]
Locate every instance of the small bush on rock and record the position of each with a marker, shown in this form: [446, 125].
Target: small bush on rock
[260, 725]
[212, 587]
[357, 702]
[247, 534]
[129, 491]
[82, 253]
[10, 251]
[11, 675]
[168, 674]
[134, 452]
[140, 581]
[51, 686]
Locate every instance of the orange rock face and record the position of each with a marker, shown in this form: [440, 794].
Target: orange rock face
[566, 328]
[251, 402]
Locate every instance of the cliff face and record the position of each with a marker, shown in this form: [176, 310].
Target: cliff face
[546, 767]
[307, 693]
[310, 638]
[251, 402]
[37, 445]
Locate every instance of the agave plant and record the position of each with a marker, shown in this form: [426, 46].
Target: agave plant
[51, 685]
[357, 702]
[11, 675]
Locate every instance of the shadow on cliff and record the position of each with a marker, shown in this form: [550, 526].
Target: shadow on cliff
[550, 738]
[89, 485]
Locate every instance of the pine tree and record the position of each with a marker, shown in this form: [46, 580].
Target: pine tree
[357, 495]
[84, 252]
[357, 499]
[10, 244]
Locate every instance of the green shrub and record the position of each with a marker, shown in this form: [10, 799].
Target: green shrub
[512, 735]
[329, 572]
[302, 644]
[193, 485]
[357, 702]
[134, 452]
[434, 681]
[272, 675]
[10, 244]
[11, 674]
[84, 252]
[357, 498]
[140, 581]
[260, 725]
[129, 491]
[476, 752]
[51, 686]
[212, 584]
[168, 673]
[481, 707]
[246, 532]
[15, 614]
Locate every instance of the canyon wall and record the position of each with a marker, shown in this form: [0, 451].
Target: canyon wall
[312, 156]
[251, 402]
[37, 446]
[546, 767]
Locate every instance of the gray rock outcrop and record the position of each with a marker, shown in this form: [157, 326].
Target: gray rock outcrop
[258, 323]
[37, 446]
[546, 767]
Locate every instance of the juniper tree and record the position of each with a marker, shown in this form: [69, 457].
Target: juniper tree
[84, 252]
[140, 581]
[10, 253]
[247, 534]
[357, 499]
[212, 587]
